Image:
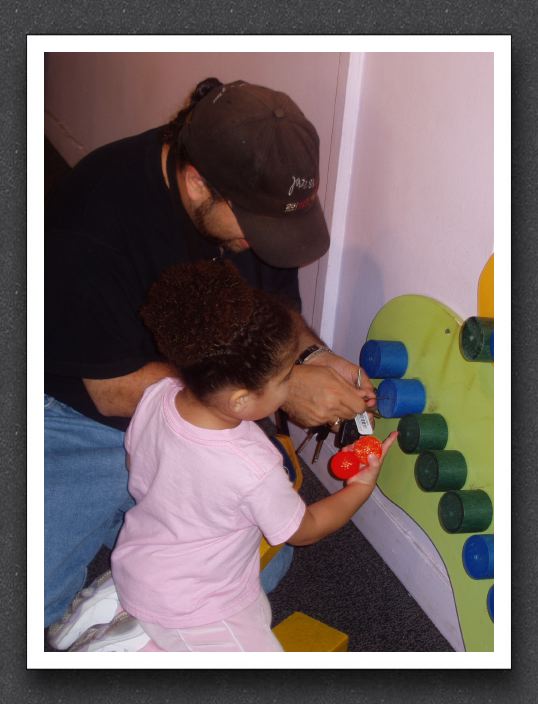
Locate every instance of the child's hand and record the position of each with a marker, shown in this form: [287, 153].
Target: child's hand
[369, 474]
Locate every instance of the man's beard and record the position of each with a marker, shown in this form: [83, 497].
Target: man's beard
[199, 218]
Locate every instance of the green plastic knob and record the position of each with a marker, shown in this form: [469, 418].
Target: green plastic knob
[422, 431]
[475, 338]
[468, 511]
[440, 470]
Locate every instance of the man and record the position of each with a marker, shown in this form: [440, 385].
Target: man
[234, 175]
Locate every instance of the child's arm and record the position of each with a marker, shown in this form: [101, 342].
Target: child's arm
[328, 515]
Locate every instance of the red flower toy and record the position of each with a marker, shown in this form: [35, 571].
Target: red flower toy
[367, 445]
[346, 463]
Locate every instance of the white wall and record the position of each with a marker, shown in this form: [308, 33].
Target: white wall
[419, 218]
[94, 98]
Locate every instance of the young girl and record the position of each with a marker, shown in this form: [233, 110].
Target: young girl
[207, 481]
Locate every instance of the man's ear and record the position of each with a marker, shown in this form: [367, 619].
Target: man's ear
[239, 401]
[197, 189]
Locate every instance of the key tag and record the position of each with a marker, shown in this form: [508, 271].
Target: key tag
[361, 419]
[363, 424]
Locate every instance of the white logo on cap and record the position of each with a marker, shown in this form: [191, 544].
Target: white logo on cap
[219, 94]
[301, 182]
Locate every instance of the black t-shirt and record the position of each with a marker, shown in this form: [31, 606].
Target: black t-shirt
[110, 229]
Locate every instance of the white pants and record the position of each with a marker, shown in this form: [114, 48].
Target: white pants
[249, 630]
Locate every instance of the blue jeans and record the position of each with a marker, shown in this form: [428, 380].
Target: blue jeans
[85, 500]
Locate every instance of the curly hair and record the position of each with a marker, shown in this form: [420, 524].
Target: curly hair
[216, 329]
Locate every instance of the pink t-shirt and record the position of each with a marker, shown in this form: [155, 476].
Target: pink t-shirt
[188, 553]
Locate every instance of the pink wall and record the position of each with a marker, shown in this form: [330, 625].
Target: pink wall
[420, 212]
[95, 98]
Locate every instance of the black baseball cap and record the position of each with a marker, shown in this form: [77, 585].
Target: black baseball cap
[258, 150]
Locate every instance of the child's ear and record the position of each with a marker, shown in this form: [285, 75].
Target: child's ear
[239, 401]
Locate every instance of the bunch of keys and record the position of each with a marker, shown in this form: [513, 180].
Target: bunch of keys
[350, 431]
[321, 432]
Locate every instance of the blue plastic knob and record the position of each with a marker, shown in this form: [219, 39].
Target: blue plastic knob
[400, 397]
[383, 359]
[490, 602]
[477, 556]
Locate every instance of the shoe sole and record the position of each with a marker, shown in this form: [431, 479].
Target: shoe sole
[123, 634]
[99, 607]
[125, 645]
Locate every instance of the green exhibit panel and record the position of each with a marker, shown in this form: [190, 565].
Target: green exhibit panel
[441, 470]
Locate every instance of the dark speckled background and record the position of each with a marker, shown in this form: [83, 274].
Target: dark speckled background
[519, 19]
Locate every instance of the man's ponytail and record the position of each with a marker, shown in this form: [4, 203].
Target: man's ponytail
[173, 128]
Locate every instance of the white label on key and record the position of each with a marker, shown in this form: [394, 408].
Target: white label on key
[363, 424]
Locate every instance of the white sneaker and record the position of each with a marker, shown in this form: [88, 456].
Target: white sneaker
[95, 604]
[123, 634]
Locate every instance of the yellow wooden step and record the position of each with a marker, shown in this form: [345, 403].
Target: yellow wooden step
[301, 633]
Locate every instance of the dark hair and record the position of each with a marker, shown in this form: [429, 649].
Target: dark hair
[170, 134]
[173, 128]
[217, 330]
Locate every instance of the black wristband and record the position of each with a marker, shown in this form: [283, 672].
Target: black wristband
[309, 352]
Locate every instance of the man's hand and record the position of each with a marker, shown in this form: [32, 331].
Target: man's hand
[349, 371]
[319, 395]
[325, 389]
